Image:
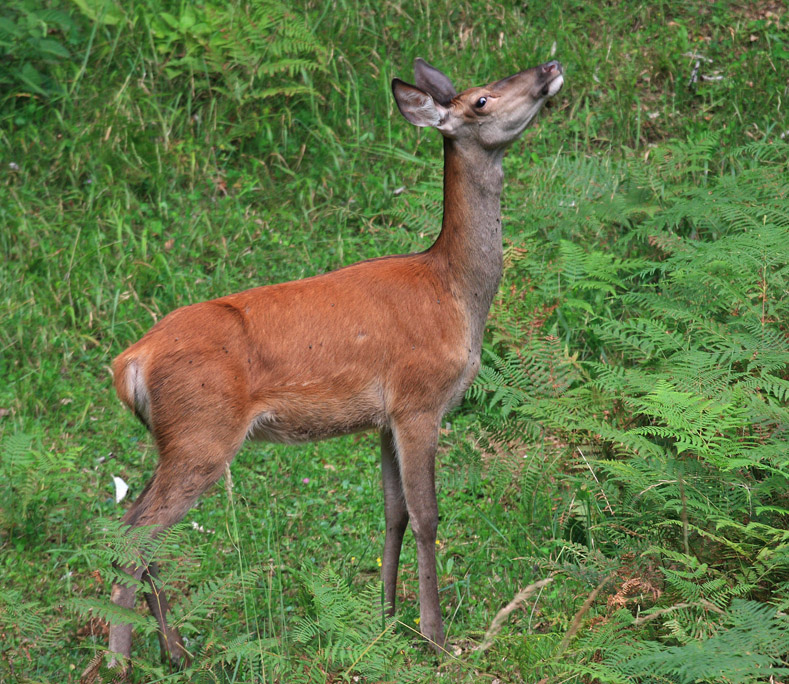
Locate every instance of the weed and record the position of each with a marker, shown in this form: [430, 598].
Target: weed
[632, 413]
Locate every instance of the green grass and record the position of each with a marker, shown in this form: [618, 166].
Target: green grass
[153, 154]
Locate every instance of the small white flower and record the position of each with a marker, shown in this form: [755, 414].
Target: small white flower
[121, 488]
[13, 166]
[200, 528]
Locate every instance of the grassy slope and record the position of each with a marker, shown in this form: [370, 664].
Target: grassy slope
[140, 190]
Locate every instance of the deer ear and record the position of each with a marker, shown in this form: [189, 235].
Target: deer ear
[417, 106]
[433, 81]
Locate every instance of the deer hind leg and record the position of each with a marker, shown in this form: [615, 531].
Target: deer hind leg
[416, 441]
[184, 472]
[396, 514]
[170, 641]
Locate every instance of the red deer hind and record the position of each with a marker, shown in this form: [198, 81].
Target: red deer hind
[389, 344]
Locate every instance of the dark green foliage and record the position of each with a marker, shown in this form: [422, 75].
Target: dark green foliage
[672, 391]
[37, 41]
[26, 624]
[344, 631]
[750, 645]
[30, 478]
[632, 431]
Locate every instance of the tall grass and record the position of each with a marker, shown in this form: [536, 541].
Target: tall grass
[154, 154]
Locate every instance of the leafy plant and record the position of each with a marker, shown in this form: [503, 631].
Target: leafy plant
[36, 48]
[245, 52]
[27, 626]
[672, 396]
[343, 631]
[29, 481]
[749, 644]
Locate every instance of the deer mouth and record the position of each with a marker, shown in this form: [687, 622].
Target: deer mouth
[550, 89]
[552, 75]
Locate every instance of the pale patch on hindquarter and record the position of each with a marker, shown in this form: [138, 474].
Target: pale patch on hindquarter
[138, 392]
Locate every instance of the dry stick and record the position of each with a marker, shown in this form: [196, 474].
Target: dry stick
[576, 623]
[646, 618]
[684, 514]
[602, 491]
[501, 616]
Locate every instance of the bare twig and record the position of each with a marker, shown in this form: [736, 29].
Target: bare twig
[602, 491]
[646, 618]
[697, 56]
[579, 616]
[501, 616]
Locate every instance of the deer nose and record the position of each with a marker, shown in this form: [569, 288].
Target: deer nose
[549, 67]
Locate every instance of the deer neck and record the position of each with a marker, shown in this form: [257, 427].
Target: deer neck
[470, 240]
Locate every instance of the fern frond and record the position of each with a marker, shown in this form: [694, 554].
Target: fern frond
[749, 647]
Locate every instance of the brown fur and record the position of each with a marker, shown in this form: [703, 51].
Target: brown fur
[303, 360]
[388, 344]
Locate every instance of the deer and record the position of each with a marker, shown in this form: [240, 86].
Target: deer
[388, 344]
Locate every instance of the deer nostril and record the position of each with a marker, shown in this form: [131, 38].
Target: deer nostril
[548, 67]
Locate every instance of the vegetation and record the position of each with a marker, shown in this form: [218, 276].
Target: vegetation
[627, 438]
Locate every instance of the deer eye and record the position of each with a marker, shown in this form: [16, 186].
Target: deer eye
[479, 104]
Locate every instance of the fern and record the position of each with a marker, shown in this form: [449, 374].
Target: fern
[27, 624]
[668, 375]
[344, 632]
[28, 476]
[750, 646]
[214, 593]
[109, 612]
[247, 53]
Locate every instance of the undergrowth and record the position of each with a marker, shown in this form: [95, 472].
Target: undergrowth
[655, 353]
[627, 436]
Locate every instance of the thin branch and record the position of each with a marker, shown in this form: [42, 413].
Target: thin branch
[501, 616]
[602, 491]
[579, 616]
[646, 618]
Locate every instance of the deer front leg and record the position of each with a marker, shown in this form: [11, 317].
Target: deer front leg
[396, 515]
[416, 442]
